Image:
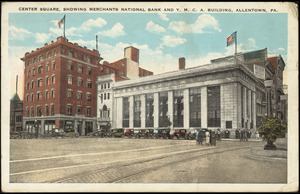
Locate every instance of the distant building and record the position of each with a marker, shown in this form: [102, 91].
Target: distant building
[16, 113]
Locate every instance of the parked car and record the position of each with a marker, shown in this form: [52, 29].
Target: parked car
[26, 135]
[117, 132]
[71, 133]
[178, 133]
[128, 133]
[57, 132]
[161, 133]
[98, 133]
[15, 135]
[191, 133]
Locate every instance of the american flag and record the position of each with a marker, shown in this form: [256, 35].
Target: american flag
[231, 38]
[62, 21]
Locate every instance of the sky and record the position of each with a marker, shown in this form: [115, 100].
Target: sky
[162, 38]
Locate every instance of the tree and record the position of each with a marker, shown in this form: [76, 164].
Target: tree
[272, 128]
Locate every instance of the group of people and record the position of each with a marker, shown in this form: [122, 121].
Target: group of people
[243, 135]
[208, 137]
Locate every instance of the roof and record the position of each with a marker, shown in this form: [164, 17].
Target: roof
[274, 61]
[258, 54]
[15, 98]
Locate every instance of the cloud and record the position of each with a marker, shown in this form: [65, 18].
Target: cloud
[205, 23]
[172, 41]
[281, 49]
[18, 33]
[115, 31]
[42, 37]
[163, 16]
[87, 25]
[152, 27]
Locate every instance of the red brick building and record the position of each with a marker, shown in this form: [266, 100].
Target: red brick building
[60, 85]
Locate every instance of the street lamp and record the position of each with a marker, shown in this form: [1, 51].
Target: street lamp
[268, 84]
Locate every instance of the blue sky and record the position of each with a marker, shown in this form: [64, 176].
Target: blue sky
[161, 38]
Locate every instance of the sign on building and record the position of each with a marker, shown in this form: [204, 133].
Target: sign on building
[259, 72]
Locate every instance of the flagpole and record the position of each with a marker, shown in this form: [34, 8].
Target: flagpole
[64, 26]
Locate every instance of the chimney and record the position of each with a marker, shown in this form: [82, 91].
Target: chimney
[131, 53]
[181, 63]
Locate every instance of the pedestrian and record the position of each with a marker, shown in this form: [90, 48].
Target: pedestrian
[207, 137]
[201, 136]
[245, 135]
[248, 134]
[257, 135]
[241, 135]
[219, 135]
[197, 137]
[237, 134]
[213, 138]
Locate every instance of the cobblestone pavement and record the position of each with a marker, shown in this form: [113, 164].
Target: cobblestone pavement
[119, 160]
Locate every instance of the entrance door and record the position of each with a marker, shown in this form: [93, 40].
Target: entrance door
[79, 127]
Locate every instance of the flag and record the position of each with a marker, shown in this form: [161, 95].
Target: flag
[231, 38]
[62, 21]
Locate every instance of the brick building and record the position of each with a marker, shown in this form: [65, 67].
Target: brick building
[59, 87]
[16, 113]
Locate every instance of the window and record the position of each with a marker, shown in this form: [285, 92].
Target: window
[104, 96]
[38, 111]
[33, 71]
[79, 68]
[88, 59]
[101, 86]
[163, 109]
[70, 80]
[88, 97]
[32, 97]
[137, 111]
[39, 83]
[108, 95]
[53, 65]
[88, 111]
[125, 122]
[48, 55]
[71, 54]
[27, 62]
[52, 109]
[149, 110]
[79, 81]
[39, 70]
[89, 83]
[27, 112]
[69, 93]
[79, 110]
[38, 96]
[40, 57]
[32, 84]
[228, 124]
[178, 108]
[27, 85]
[104, 86]
[47, 67]
[70, 65]
[195, 107]
[31, 112]
[101, 98]
[108, 85]
[27, 97]
[213, 106]
[53, 79]
[28, 72]
[46, 110]
[54, 53]
[52, 93]
[33, 60]
[46, 94]
[47, 80]
[69, 110]
[89, 71]
[79, 95]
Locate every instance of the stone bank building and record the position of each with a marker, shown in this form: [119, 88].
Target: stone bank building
[217, 95]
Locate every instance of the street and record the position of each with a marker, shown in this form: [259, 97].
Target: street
[122, 160]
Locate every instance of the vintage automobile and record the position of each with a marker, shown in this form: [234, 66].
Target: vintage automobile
[117, 132]
[161, 133]
[128, 133]
[144, 133]
[191, 133]
[178, 133]
[15, 135]
[71, 133]
[57, 132]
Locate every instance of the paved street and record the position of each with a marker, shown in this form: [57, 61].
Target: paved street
[118, 160]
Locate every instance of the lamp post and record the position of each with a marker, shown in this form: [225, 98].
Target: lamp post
[268, 84]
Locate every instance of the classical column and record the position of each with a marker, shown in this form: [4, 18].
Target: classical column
[245, 106]
[76, 125]
[186, 108]
[254, 109]
[95, 125]
[239, 106]
[249, 109]
[131, 111]
[204, 107]
[170, 106]
[222, 105]
[118, 110]
[143, 111]
[156, 109]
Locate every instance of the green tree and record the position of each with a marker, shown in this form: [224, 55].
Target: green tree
[272, 128]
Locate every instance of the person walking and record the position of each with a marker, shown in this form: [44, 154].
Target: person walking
[207, 137]
[241, 135]
[256, 135]
[201, 136]
[245, 135]
[213, 138]
[219, 135]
